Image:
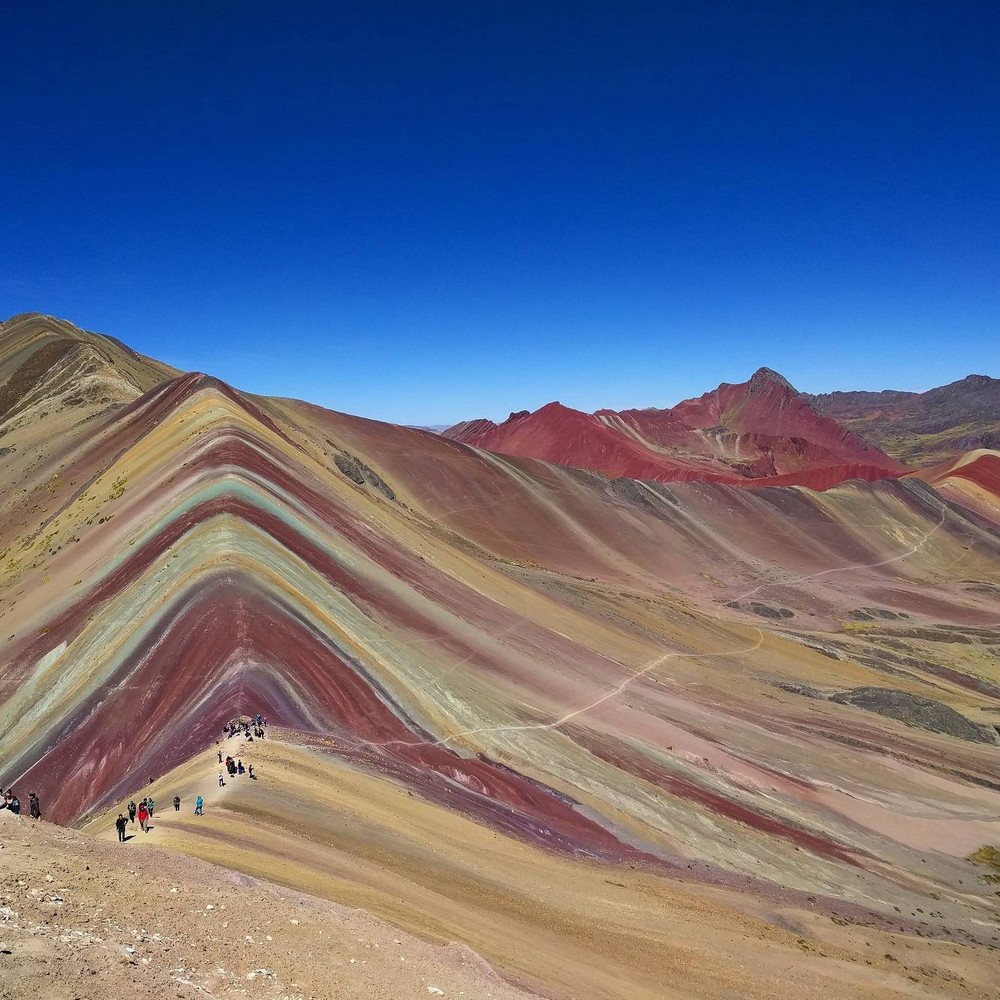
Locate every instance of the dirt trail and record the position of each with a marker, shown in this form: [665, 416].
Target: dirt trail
[81, 919]
[560, 926]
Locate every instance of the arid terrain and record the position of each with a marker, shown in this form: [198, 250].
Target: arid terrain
[724, 731]
[81, 918]
[922, 428]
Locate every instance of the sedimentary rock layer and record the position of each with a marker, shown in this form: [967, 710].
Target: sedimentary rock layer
[609, 672]
[760, 432]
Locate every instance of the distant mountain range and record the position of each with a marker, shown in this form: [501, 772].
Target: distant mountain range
[761, 432]
[921, 427]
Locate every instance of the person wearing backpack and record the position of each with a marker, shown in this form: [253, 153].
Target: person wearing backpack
[177, 803]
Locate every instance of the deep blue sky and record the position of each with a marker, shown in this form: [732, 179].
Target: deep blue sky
[431, 211]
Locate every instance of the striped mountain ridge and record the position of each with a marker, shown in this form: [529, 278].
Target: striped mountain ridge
[617, 673]
[48, 362]
[756, 433]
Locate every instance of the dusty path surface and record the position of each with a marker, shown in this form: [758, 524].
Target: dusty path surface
[81, 919]
[560, 926]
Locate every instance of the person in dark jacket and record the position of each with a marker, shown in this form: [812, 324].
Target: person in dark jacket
[177, 803]
[131, 812]
[120, 825]
[34, 806]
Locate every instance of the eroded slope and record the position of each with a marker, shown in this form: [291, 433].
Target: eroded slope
[616, 672]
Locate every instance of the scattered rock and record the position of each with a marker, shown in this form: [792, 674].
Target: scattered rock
[358, 472]
[914, 710]
[803, 689]
[642, 492]
[761, 609]
[871, 614]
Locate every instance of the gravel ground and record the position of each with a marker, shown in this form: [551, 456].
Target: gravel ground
[82, 919]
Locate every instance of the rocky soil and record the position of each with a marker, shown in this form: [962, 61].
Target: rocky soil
[82, 919]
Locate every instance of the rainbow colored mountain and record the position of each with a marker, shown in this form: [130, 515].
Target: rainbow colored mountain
[522, 694]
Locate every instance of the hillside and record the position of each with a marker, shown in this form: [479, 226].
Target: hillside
[756, 433]
[588, 727]
[48, 365]
[81, 918]
[921, 428]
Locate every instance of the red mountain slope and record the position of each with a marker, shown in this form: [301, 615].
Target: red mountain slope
[760, 432]
[973, 480]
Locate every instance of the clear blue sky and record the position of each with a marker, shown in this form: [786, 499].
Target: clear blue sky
[431, 211]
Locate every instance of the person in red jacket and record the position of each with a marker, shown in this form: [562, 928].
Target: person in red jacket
[143, 816]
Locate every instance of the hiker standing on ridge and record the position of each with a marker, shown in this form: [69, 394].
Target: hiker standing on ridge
[120, 825]
[34, 807]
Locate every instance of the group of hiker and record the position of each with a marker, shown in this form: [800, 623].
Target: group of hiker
[254, 726]
[234, 767]
[144, 813]
[13, 803]
[257, 723]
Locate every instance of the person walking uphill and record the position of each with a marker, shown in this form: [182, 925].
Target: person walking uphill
[131, 812]
[143, 816]
[120, 825]
[177, 803]
[198, 806]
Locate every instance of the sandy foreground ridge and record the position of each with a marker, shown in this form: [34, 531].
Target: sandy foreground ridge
[81, 918]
